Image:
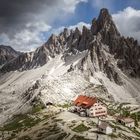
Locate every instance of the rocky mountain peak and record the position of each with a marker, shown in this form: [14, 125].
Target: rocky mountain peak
[97, 61]
[77, 30]
[104, 24]
[104, 15]
[85, 30]
[103, 33]
[52, 39]
[66, 33]
[77, 33]
[7, 53]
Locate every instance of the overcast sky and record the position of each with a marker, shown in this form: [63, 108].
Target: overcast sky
[26, 24]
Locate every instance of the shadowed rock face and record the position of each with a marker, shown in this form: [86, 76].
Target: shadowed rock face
[125, 50]
[103, 41]
[104, 24]
[6, 54]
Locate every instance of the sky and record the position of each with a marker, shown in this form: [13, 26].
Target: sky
[27, 24]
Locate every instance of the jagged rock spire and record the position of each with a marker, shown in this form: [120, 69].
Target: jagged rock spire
[104, 23]
[77, 33]
[52, 39]
[66, 32]
[104, 15]
[103, 31]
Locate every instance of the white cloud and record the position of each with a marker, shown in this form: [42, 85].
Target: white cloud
[38, 26]
[70, 5]
[80, 25]
[128, 22]
[72, 27]
[27, 39]
[29, 35]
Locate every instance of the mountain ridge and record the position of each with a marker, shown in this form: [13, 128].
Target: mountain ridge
[102, 29]
[102, 64]
[7, 53]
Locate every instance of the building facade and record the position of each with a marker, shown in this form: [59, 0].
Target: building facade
[105, 128]
[129, 122]
[97, 110]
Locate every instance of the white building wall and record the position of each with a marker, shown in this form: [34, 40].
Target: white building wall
[97, 110]
[132, 124]
[108, 130]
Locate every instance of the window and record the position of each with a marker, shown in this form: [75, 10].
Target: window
[100, 112]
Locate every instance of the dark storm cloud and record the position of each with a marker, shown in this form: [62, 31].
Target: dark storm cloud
[16, 8]
[15, 13]
[23, 22]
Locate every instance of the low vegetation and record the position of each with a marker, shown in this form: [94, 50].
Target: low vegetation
[37, 108]
[136, 117]
[51, 125]
[66, 105]
[81, 128]
[20, 122]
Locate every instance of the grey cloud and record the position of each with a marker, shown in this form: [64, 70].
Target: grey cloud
[22, 21]
[14, 14]
[128, 22]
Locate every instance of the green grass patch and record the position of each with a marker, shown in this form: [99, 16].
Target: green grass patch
[112, 111]
[81, 128]
[136, 115]
[66, 105]
[92, 124]
[20, 122]
[37, 108]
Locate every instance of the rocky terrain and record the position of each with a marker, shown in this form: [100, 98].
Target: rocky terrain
[7, 53]
[103, 38]
[97, 62]
[57, 123]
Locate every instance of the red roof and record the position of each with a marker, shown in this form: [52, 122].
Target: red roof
[85, 101]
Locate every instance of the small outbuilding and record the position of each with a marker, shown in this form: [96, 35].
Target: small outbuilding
[105, 128]
[129, 122]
